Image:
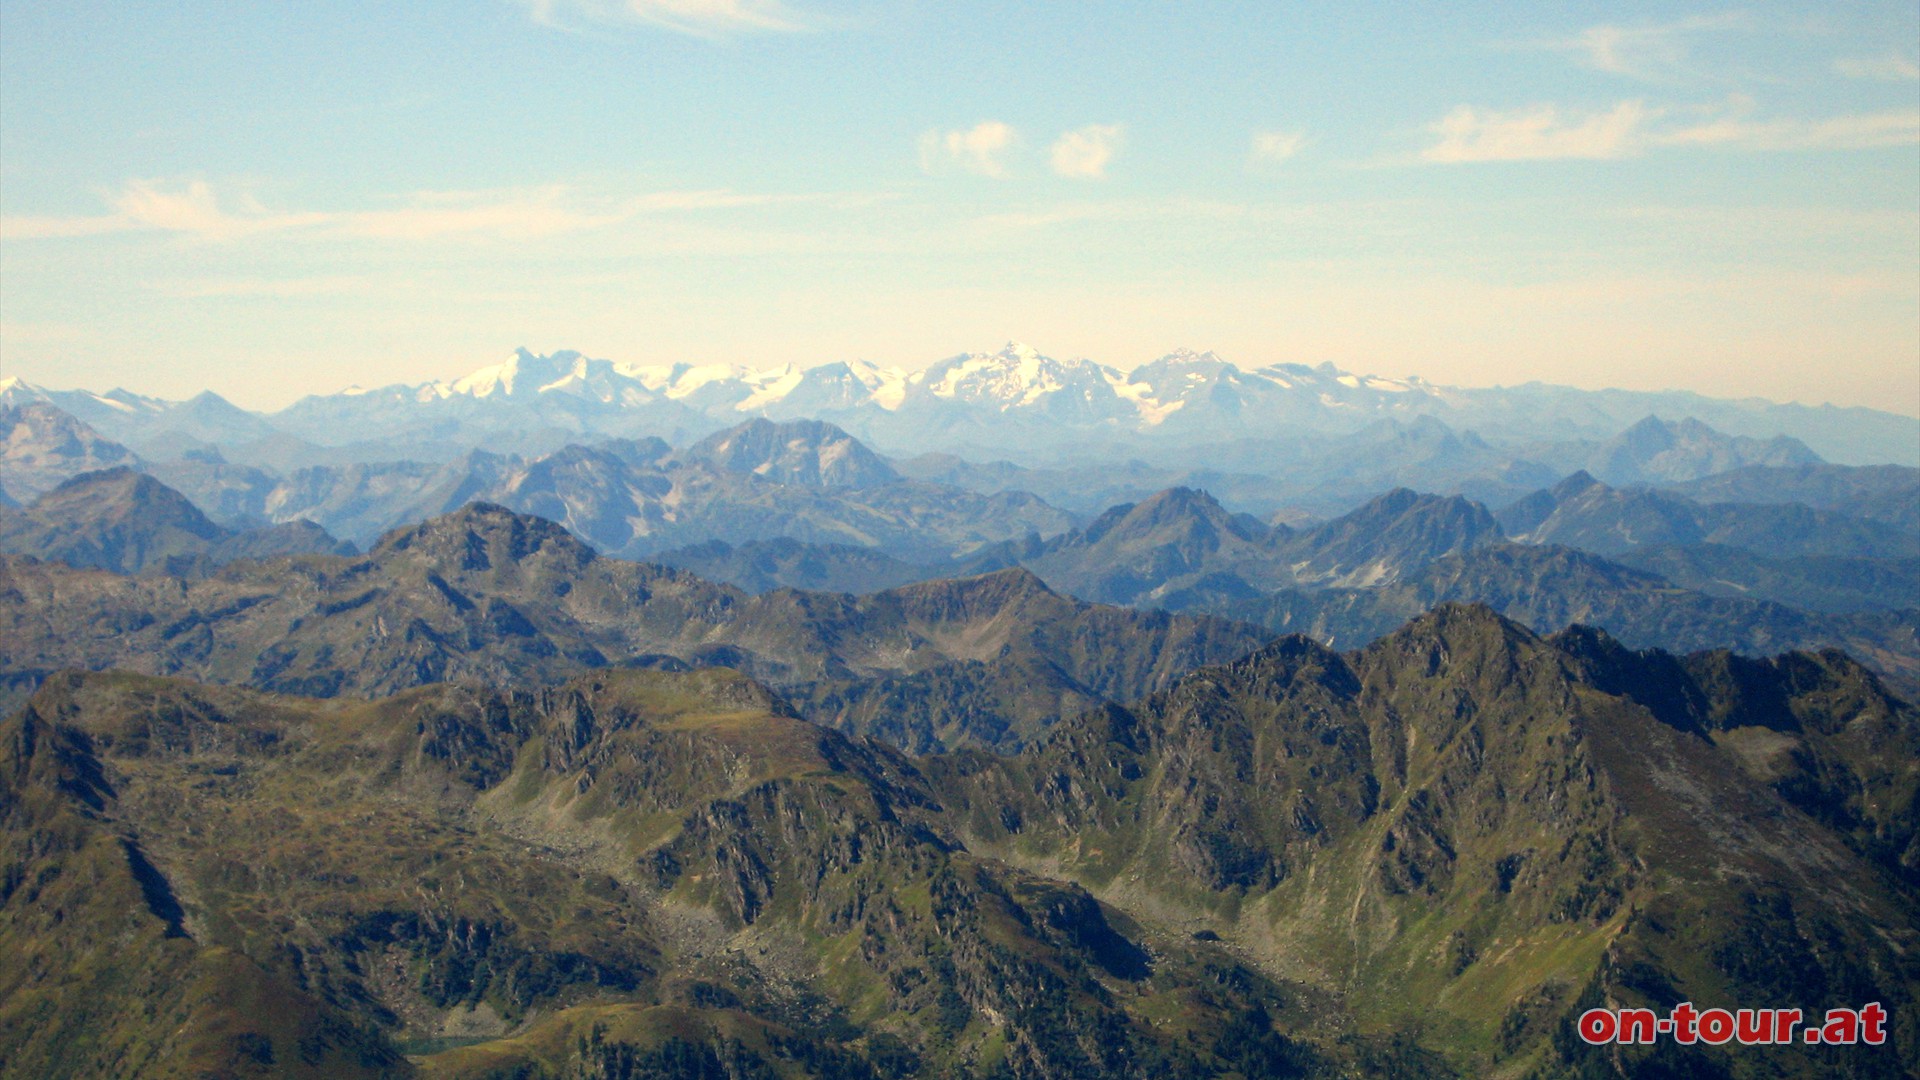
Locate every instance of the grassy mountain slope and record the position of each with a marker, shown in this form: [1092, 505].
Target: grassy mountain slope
[637, 873]
[1471, 832]
[1421, 858]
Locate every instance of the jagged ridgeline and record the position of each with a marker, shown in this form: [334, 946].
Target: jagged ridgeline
[1419, 859]
[485, 594]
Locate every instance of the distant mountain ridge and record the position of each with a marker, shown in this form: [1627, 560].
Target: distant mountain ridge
[1583, 512]
[767, 505]
[1656, 451]
[1886, 493]
[485, 594]
[127, 522]
[1546, 586]
[1801, 576]
[802, 479]
[1015, 398]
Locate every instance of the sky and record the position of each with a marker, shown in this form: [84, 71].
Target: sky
[271, 200]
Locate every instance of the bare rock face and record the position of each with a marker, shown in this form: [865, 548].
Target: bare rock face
[42, 446]
[809, 452]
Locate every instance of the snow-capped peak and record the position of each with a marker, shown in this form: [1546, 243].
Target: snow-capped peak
[520, 373]
[769, 387]
[1184, 355]
[15, 390]
[1018, 376]
[886, 386]
[526, 374]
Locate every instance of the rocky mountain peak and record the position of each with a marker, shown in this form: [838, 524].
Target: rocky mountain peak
[967, 599]
[42, 445]
[1389, 536]
[1574, 485]
[1662, 451]
[811, 452]
[481, 536]
[125, 494]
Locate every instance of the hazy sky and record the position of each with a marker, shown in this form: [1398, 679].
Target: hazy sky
[272, 199]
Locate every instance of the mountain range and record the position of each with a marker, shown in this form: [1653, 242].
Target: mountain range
[486, 594]
[641, 497]
[1010, 719]
[977, 404]
[1422, 858]
[1676, 573]
[952, 661]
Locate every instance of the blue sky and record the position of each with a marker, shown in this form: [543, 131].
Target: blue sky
[277, 199]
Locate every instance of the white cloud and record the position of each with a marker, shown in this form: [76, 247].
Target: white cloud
[194, 210]
[1537, 133]
[1864, 131]
[1084, 153]
[1277, 145]
[980, 149]
[1541, 133]
[701, 18]
[1892, 67]
[1651, 52]
[145, 205]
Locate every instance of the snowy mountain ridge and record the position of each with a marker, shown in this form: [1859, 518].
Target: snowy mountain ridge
[1012, 400]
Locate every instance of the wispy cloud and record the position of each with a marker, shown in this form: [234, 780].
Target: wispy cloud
[194, 210]
[1864, 131]
[1276, 145]
[1084, 152]
[1893, 67]
[701, 18]
[980, 149]
[1538, 133]
[1631, 128]
[1653, 52]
